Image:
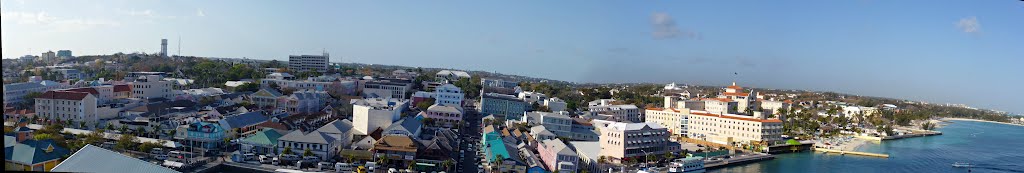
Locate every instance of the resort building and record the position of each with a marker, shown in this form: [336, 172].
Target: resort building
[731, 129]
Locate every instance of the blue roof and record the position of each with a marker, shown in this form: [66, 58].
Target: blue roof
[34, 152]
[244, 119]
[21, 86]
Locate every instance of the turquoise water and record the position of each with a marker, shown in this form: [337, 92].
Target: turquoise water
[992, 147]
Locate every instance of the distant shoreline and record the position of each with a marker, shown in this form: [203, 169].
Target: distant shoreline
[976, 120]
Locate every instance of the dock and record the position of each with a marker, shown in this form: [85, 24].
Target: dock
[851, 152]
[737, 160]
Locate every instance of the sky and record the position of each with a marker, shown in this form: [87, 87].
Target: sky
[967, 52]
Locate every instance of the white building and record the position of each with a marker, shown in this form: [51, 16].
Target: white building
[450, 76]
[619, 111]
[373, 113]
[150, 87]
[674, 120]
[555, 104]
[532, 97]
[558, 124]
[304, 63]
[386, 88]
[448, 94]
[67, 105]
[732, 129]
[633, 140]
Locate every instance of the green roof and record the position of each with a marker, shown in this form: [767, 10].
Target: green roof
[34, 152]
[792, 142]
[267, 136]
[497, 147]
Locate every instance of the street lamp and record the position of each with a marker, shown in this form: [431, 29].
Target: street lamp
[645, 158]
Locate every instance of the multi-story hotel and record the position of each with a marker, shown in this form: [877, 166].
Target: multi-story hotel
[76, 106]
[673, 119]
[733, 129]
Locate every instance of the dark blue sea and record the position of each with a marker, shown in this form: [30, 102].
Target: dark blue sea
[991, 147]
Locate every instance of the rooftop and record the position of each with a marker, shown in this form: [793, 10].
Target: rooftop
[95, 159]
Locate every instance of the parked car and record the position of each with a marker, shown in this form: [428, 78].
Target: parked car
[324, 166]
[161, 157]
[311, 159]
[343, 167]
[249, 156]
[264, 159]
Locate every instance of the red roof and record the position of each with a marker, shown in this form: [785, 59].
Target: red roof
[122, 88]
[736, 94]
[87, 90]
[64, 95]
[735, 87]
[737, 118]
[719, 99]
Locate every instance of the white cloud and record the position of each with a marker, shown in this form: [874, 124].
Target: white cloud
[665, 28]
[146, 13]
[969, 25]
[200, 13]
[55, 23]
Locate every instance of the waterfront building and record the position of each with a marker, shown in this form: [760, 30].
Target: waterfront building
[673, 119]
[731, 129]
[633, 140]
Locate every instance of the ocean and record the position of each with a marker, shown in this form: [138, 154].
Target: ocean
[991, 147]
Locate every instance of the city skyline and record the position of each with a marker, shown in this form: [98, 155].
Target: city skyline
[947, 52]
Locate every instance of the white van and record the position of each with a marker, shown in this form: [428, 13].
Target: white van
[342, 167]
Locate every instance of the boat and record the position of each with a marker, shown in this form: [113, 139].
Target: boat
[962, 165]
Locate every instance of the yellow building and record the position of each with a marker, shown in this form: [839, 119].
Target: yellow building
[31, 155]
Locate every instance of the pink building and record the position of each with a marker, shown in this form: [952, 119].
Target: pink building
[633, 140]
[445, 115]
[557, 156]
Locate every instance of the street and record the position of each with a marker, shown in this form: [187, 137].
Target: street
[470, 134]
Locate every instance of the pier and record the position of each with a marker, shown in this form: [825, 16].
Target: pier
[851, 152]
[709, 164]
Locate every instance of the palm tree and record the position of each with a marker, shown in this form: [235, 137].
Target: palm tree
[447, 164]
[411, 165]
[498, 159]
[383, 160]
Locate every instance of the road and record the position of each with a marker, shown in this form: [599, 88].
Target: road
[471, 134]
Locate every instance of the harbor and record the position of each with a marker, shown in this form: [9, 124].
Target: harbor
[841, 152]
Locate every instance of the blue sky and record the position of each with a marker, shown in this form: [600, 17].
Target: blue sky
[937, 51]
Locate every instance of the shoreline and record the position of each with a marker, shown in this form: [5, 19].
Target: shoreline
[976, 120]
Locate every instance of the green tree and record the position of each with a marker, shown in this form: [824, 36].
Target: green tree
[248, 87]
[287, 150]
[147, 146]
[307, 152]
[126, 142]
[423, 105]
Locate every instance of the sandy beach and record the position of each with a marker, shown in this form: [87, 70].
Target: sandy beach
[965, 119]
[852, 145]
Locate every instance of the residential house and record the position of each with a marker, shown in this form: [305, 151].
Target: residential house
[263, 141]
[320, 144]
[243, 123]
[31, 155]
[201, 134]
[557, 156]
